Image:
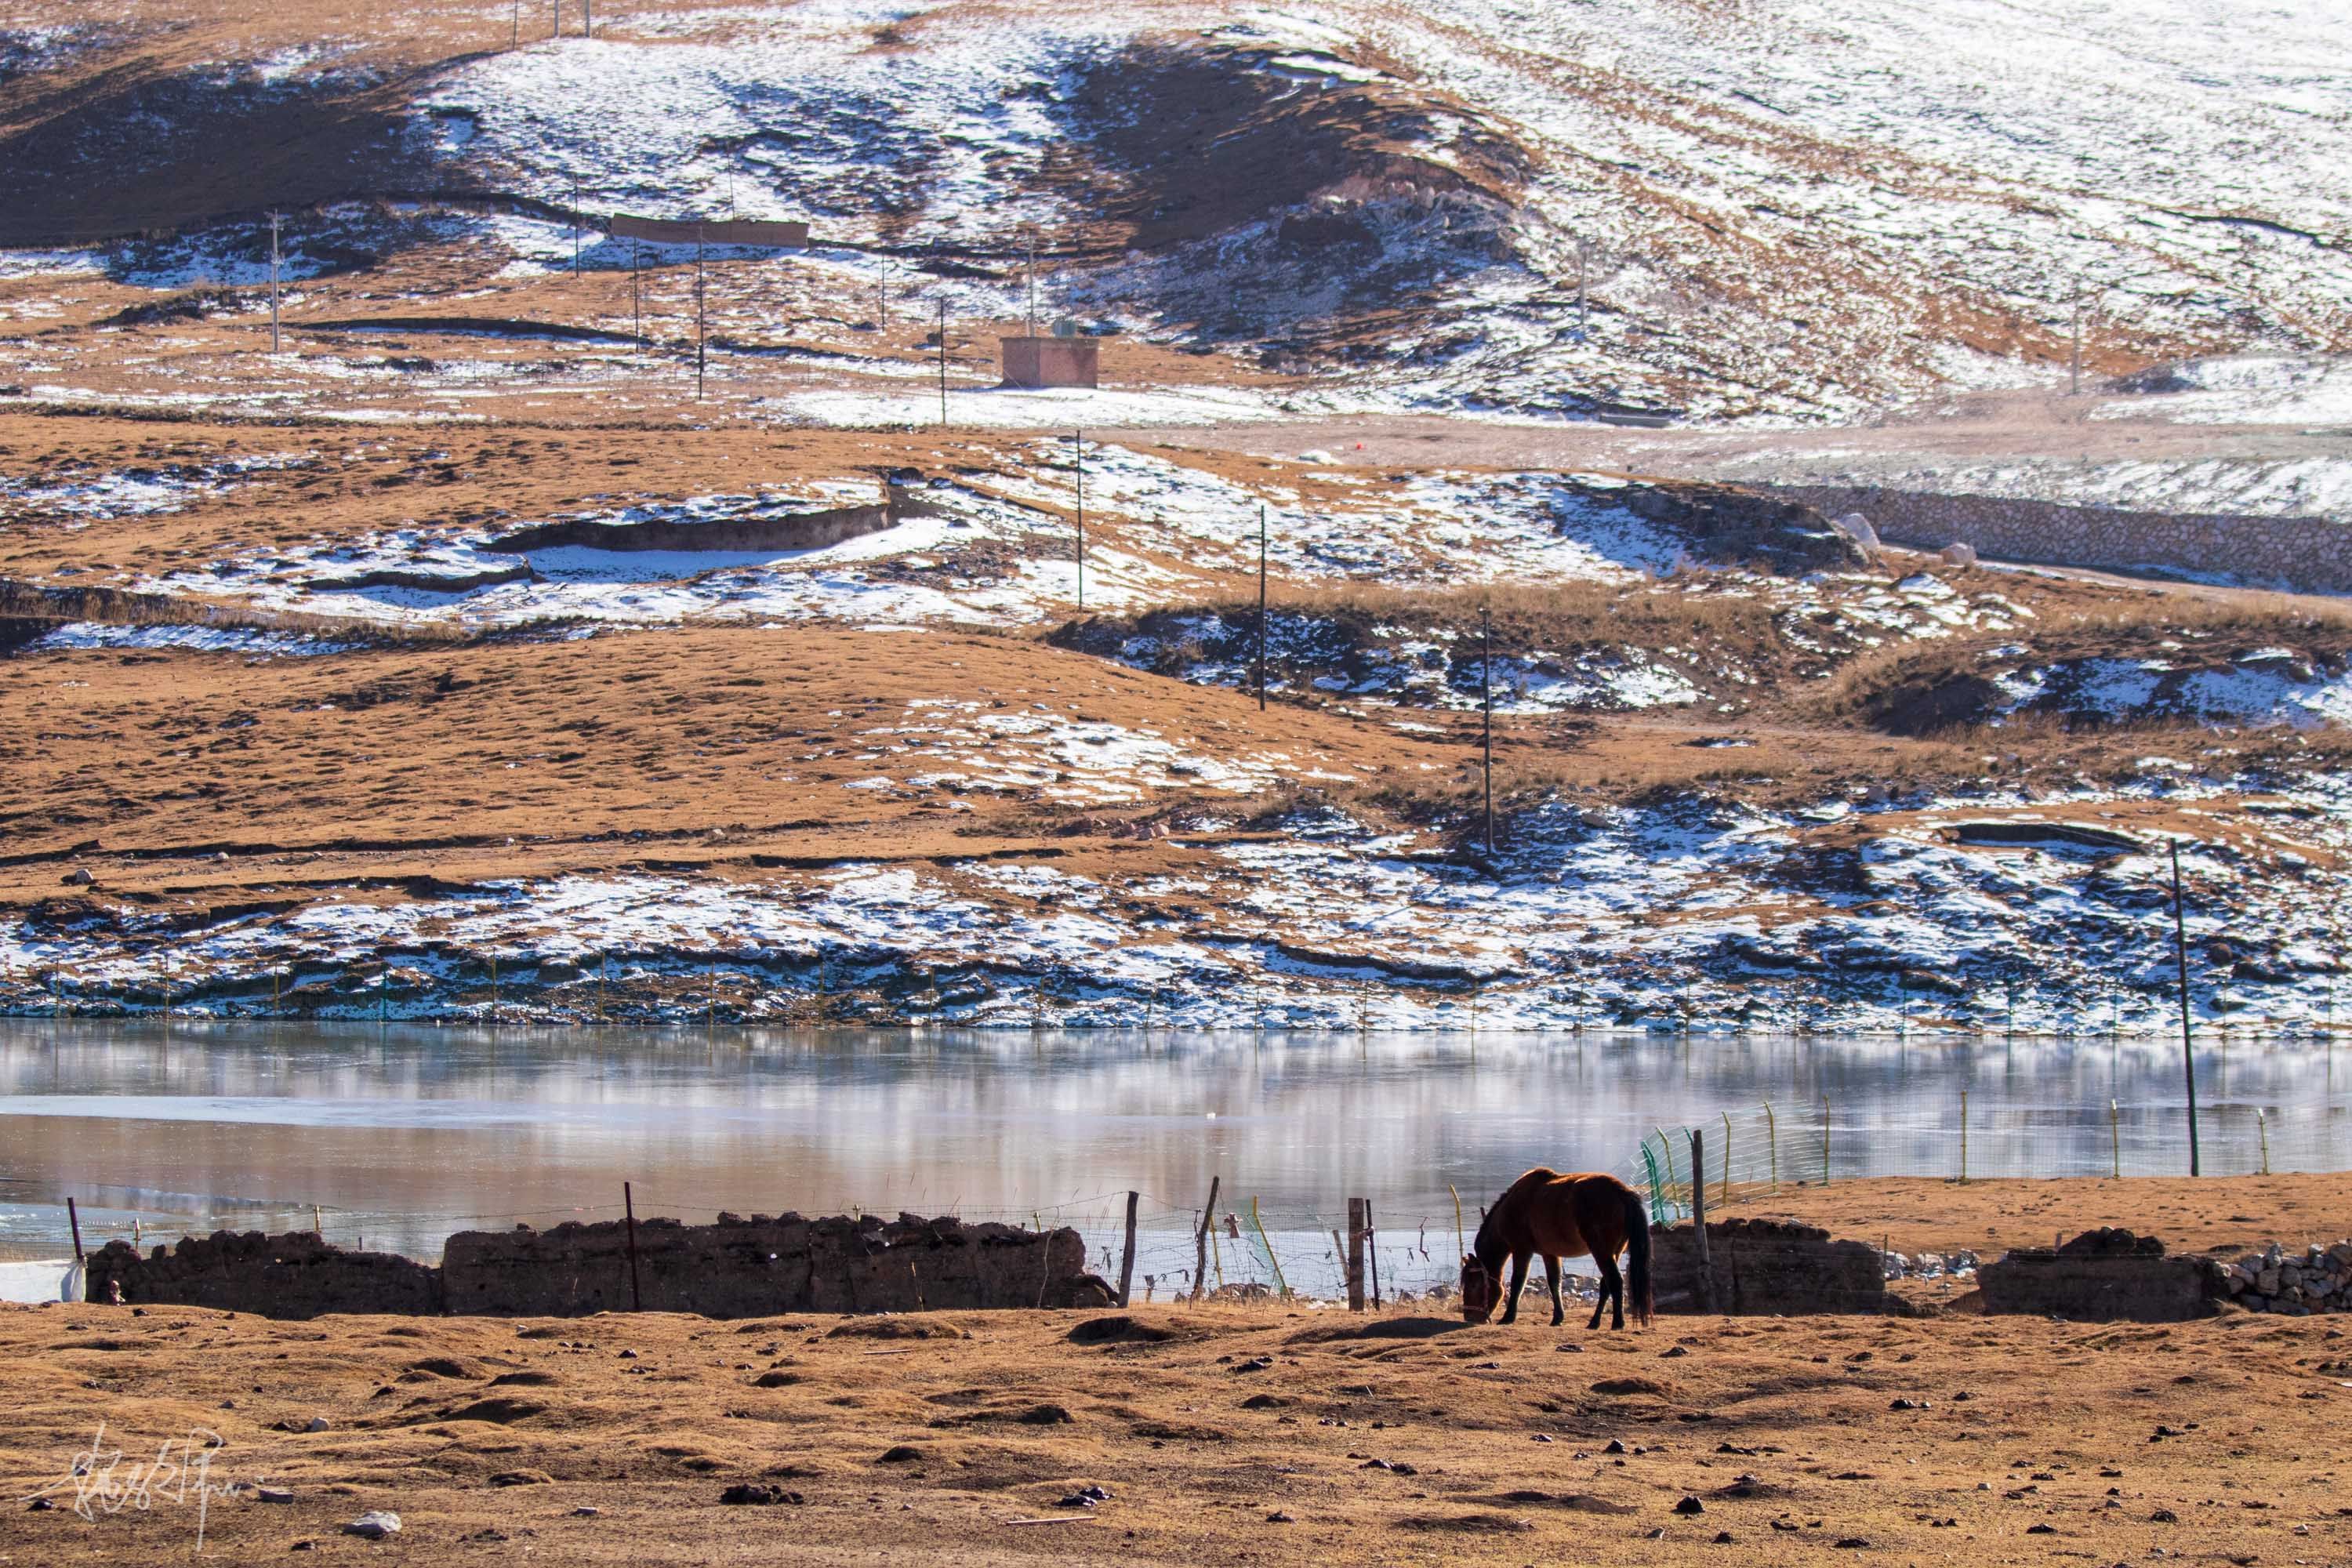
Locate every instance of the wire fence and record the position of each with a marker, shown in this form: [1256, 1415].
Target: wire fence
[1762, 1150]
[1412, 1248]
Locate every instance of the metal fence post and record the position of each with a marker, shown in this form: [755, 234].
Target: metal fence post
[1657, 1192]
[1281, 1284]
[2116, 1136]
[1825, 1140]
[1726, 1190]
[1964, 1137]
[1666, 1147]
[1772, 1138]
[2262, 1130]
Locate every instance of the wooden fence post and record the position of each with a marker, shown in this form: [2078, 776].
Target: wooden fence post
[1200, 1241]
[73, 1218]
[1127, 1260]
[629, 1209]
[1356, 1254]
[1373, 1242]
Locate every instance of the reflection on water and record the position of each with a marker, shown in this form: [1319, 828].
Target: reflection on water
[404, 1135]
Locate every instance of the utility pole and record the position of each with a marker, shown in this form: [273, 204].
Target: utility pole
[273, 282]
[882, 296]
[557, 6]
[944, 367]
[1487, 681]
[1033, 290]
[587, 18]
[518, 25]
[1261, 607]
[637, 289]
[700, 316]
[575, 225]
[2188, 1051]
[1584, 322]
[1078, 446]
[2074, 367]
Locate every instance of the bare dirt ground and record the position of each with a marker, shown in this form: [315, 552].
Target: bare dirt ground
[1266, 1434]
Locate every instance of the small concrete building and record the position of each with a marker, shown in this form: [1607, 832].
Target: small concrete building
[1032, 361]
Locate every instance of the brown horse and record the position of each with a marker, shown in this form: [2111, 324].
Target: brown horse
[1555, 1216]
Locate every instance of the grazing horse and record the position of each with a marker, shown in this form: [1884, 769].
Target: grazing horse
[1555, 1216]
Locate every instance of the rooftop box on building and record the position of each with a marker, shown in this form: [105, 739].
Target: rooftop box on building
[1049, 362]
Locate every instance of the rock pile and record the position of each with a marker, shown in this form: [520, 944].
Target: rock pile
[1928, 1265]
[2271, 1281]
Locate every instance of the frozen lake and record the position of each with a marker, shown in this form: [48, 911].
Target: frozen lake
[402, 1136]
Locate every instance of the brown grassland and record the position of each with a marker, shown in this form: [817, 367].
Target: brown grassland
[1237, 1433]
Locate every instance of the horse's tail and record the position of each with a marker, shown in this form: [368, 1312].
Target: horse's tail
[1637, 1258]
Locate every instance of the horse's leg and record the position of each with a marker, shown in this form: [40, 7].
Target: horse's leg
[1612, 1284]
[1551, 1277]
[1518, 1283]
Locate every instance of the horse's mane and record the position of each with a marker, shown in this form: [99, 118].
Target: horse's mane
[1487, 1246]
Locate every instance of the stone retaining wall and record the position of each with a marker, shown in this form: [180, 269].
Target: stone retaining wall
[734, 1269]
[2101, 1276]
[1763, 1267]
[2310, 553]
[291, 1276]
[744, 1268]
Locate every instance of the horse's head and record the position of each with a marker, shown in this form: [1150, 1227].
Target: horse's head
[1480, 1290]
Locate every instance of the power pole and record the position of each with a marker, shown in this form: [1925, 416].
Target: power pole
[1487, 681]
[943, 361]
[1078, 444]
[1261, 607]
[1584, 322]
[518, 25]
[2074, 369]
[557, 6]
[273, 282]
[882, 295]
[637, 289]
[575, 225]
[587, 18]
[2188, 1052]
[1033, 290]
[700, 318]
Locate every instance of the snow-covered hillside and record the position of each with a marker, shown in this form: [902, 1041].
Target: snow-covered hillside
[1789, 208]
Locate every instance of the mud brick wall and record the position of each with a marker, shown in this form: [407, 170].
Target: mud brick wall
[291, 1276]
[747, 1267]
[2103, 1276]
[2306, 552]
[1763, 1267]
